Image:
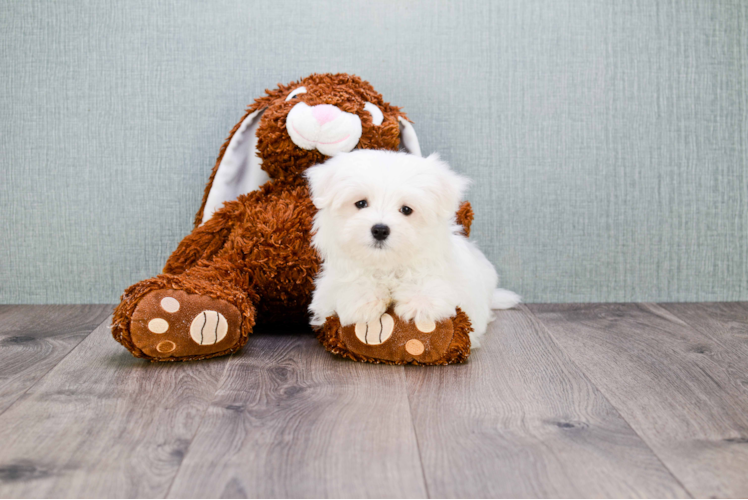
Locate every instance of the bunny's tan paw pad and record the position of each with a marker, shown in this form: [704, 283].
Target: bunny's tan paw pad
[172, 325]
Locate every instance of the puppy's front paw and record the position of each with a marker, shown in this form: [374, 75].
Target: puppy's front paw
[422, 309]
[363, 311]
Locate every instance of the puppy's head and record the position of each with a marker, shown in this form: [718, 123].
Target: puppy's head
[382, 207]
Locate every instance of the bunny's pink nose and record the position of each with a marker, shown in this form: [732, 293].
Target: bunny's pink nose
[325, 113]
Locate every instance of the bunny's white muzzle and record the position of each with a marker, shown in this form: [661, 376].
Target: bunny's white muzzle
[324, 127]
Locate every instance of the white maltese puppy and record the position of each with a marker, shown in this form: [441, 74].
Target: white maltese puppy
[386, 232]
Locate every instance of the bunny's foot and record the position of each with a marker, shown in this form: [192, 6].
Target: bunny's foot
[169, 324]
[390, 340]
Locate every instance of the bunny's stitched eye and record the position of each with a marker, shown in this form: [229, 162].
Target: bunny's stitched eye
[295, 93]
[362, 204]
[376, 114]
[406, 210]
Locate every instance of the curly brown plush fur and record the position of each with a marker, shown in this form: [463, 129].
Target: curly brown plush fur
[281, 158]
[254, 253]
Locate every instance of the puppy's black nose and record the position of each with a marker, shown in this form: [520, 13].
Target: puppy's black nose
[380, 232]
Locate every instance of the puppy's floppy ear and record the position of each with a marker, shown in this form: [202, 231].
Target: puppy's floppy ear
[449, 188]
[321, 180]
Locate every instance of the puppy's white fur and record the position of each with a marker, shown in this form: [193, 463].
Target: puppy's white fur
[426, 266]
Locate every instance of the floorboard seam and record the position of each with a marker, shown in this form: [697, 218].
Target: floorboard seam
[415, 433]
[20, 396]
[602, 392]
[200, 424]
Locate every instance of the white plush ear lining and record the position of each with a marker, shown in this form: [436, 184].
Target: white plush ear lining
[408, 137]
[240, 171]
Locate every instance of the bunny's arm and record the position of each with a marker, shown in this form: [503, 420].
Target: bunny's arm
[205, 240]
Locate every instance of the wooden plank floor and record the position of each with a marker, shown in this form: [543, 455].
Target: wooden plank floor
[571, 400]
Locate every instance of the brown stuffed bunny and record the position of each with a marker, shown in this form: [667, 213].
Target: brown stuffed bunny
[249, 256]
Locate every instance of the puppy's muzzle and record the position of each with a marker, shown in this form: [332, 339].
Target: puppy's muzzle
[380, 232]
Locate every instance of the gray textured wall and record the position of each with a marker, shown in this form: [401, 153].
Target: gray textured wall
[607, 138]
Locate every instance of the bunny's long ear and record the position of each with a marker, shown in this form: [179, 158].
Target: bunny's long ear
[238, 169]
[408, 137]
[447, 186]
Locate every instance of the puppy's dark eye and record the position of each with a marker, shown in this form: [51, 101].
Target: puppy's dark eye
[362, 204]
[406, 210]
